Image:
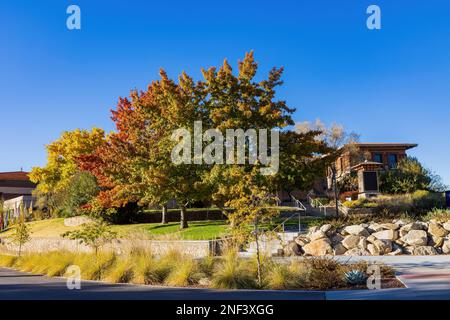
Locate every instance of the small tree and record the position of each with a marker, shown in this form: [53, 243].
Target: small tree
[409, 176]
[21, 233]
[94, 234]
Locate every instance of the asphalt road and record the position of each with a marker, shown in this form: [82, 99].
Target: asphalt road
[16, 285]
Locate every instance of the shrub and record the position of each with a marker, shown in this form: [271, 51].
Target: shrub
[94, 267]
[59, 262]
[8, 261]
[284, 277]
[438, 214]
[410, 176]
[232, 274]
[122, 271]
[148, 271]
[186, 273]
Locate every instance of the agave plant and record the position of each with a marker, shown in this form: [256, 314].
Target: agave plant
[355, 277]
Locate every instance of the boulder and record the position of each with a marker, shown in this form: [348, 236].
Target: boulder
[386, 235]
[390, 226]
[302, 241]
[424, 251]
[357, 252]
[319, 247]
[446, 225]
[435, 241]
[292, 249]
[339, 249]
[362, 243]
[375, 227]
[411, 226]
[371, 239]
[384, 246]
[317, 235]
[326, 227]
[357, 230]
[446, 246]
[373, 249]
[336, 238]
[416, 238]
[409, 250]
[436, 230]
[396, 252]
[351, 241]
[400, 222]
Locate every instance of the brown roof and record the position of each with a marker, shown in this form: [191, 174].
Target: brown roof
[14, 176]
[387, 144]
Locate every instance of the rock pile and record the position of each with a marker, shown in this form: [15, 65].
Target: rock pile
[374, 239]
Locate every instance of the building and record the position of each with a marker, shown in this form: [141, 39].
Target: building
[366, 159]
[15, 192]
[15, 184]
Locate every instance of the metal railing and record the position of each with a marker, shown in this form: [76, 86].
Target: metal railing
[316, 203]
[300, 207]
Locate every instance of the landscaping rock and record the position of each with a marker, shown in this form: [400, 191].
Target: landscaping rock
[319, 247]
[424, 251]
[351, 241]
[292, 249]
[339, 249]
[336, 238]
[326, 227]
[317, 235]
[373, 249]
[375, 227]
[357, 230]
[436, 230]
[357, 252]
[302, 241]
[446, 226]
[384, 246]
[416, 238]
[436, 242]
[446, 246]
[390, 226]
[386, 235]
[371, 239]
[396, 252]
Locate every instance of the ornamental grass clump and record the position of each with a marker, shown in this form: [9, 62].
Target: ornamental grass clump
[8, 261]
[283, 277]
[232, 273]
[121, 271]
[59, 262]
[185, 274]
[95, 267]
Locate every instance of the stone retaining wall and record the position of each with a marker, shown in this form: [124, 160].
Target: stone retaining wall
[374, 239]
[196, 249]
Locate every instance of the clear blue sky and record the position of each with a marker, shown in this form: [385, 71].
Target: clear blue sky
[389, 85]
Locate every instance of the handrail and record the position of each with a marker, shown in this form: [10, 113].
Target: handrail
[342, 208]
[316, 203]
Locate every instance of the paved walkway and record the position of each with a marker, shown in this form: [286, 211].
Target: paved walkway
[425, 278]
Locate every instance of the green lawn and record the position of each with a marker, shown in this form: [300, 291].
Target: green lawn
[199, 230]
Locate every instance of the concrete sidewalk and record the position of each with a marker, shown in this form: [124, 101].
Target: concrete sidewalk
[425, 277]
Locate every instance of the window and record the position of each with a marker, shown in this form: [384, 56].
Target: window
[392, 160]
[378, 157]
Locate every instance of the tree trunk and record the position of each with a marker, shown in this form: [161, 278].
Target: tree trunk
[258, 257]
[20, 249]
[164, 214]
[336, 196]
[183, 218]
